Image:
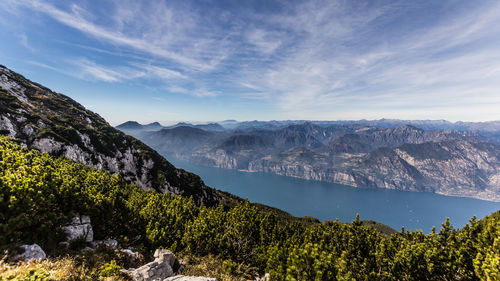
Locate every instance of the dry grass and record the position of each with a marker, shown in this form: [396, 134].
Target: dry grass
[88, 267]
[62, 269]
[211, 266]
[51, 269]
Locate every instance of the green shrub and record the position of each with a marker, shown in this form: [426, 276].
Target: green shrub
[109, 269]
[39, 193]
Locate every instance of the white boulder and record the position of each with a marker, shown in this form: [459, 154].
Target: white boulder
[31, 252]
[263, 278]
[130, 254]
[79, 227]
[157, 270]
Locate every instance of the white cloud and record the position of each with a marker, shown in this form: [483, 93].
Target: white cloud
[146, 43]
[445, 66]
[160, 72]
[89, 70]
[201, 92]
[314, 58]
[266, 42]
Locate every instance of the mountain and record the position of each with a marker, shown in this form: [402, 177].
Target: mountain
[262, 125]
[490, 129]
[134, 125]
[405, 157]
[369, 139]
[458, 167]
[178, 140]
[137, 130]
[208, 127]
[54, 123]
[130, 125]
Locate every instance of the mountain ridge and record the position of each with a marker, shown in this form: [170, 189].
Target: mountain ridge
[50, 122]
[464, 163]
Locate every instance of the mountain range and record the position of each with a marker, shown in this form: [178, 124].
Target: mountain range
[459, 159]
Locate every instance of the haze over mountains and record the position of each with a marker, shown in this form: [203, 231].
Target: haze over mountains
[460, 159]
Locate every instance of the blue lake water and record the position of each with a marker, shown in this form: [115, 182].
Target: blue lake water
[329, 201]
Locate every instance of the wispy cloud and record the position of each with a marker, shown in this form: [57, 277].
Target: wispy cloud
[322, 59]
[266, 42]
[87, 69]
[192, 92]
[161, 72]
[23, 39]
[75, 20]
[450, 64]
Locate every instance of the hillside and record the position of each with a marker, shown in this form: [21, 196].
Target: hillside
[56, 124]
[234, 243]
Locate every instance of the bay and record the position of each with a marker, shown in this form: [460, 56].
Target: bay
[330, 201]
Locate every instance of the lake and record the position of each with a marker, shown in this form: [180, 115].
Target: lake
[329, 201]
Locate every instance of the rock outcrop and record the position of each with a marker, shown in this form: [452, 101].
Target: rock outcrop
[159, 269]
[266, 277]
[459, 168]
[31, 252]
[131, 255]
[79, 227]
[109, 243]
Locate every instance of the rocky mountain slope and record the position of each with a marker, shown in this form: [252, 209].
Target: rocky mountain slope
[53, 123]
[451, 162]
[459, 168]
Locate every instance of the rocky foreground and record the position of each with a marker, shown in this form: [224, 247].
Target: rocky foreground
[164, 267]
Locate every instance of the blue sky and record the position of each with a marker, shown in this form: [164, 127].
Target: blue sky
[213, 60]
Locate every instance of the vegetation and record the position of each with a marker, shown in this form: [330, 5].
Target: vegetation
[49, 115]
[39, 193]
[79, 266]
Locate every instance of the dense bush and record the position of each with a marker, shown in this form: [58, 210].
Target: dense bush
[39, 193]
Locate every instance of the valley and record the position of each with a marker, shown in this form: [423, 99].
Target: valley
[457, 160]
[328, 201]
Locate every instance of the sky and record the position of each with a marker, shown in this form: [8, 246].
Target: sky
[205, 60]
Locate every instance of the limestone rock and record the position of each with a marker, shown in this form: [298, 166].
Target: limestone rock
[79, 227]
[31, 252]
[161, 255]
[266, 277]
[110, 243]
[189, 278]
[130, 254]
[157, 270]
[88, 249]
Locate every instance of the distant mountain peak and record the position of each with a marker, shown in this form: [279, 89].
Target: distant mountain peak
[130, 125]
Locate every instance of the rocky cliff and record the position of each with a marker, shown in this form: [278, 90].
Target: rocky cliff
[451, 162]
[50, 122]
[458, 168]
